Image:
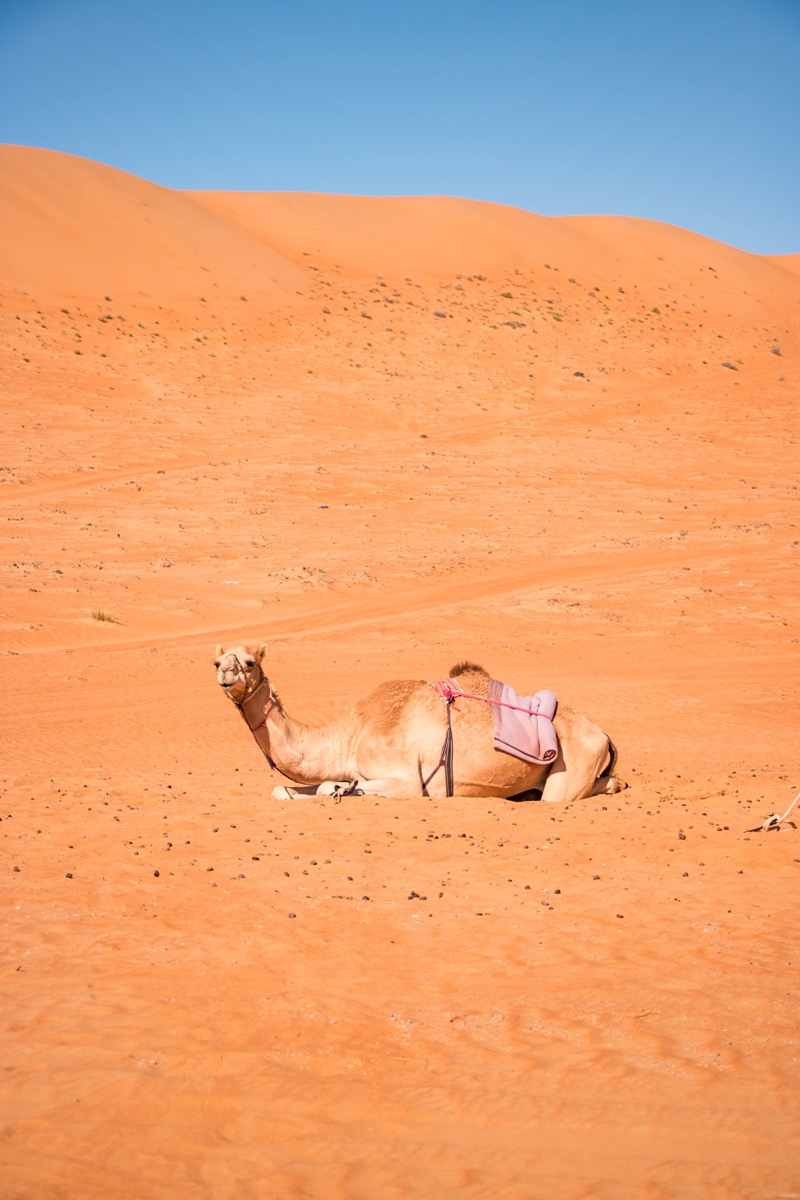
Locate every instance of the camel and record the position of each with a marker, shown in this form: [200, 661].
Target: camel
[391, 743]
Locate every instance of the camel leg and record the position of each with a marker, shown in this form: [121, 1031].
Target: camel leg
[293, 791]
[607, 785]
[582, 777]
[393, 789]
[331, 787]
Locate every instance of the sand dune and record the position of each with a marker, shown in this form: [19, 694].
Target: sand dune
[380, 435]
[79, 228]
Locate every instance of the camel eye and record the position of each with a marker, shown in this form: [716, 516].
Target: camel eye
[216, 664]
[249, 662]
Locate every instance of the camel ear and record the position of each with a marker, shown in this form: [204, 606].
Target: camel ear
[260, 652]
[218, 651]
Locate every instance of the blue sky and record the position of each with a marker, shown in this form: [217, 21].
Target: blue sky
[683, 111]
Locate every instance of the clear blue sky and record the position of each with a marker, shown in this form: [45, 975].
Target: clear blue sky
[684, 111]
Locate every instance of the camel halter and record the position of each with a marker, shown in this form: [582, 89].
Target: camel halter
[245, 702]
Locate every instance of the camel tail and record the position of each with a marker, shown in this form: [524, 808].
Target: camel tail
[612, 758]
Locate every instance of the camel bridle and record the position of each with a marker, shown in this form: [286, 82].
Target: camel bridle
[251, 700]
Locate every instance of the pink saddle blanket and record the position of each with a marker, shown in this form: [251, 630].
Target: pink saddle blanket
[523, 725]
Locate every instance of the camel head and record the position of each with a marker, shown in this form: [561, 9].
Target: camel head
[239, 670]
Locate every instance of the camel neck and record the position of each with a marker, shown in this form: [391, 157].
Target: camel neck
[297, 752]
[255, 710]
[257, 705]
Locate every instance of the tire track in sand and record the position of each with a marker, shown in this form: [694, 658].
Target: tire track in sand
[414, 601]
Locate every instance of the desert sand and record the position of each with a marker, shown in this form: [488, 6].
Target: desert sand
[382, 435]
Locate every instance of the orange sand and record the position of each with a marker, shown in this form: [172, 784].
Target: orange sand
[382, 435]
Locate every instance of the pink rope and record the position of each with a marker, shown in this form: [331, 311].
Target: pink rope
[502, 704]
[449, 694]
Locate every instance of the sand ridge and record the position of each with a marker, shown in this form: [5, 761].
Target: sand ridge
[381, 435]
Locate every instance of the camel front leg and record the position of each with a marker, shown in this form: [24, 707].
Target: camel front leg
[392, 789]
[337, 789]
[294, 791]
[395, 788]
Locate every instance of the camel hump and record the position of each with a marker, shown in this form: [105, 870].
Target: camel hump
[465, 667]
